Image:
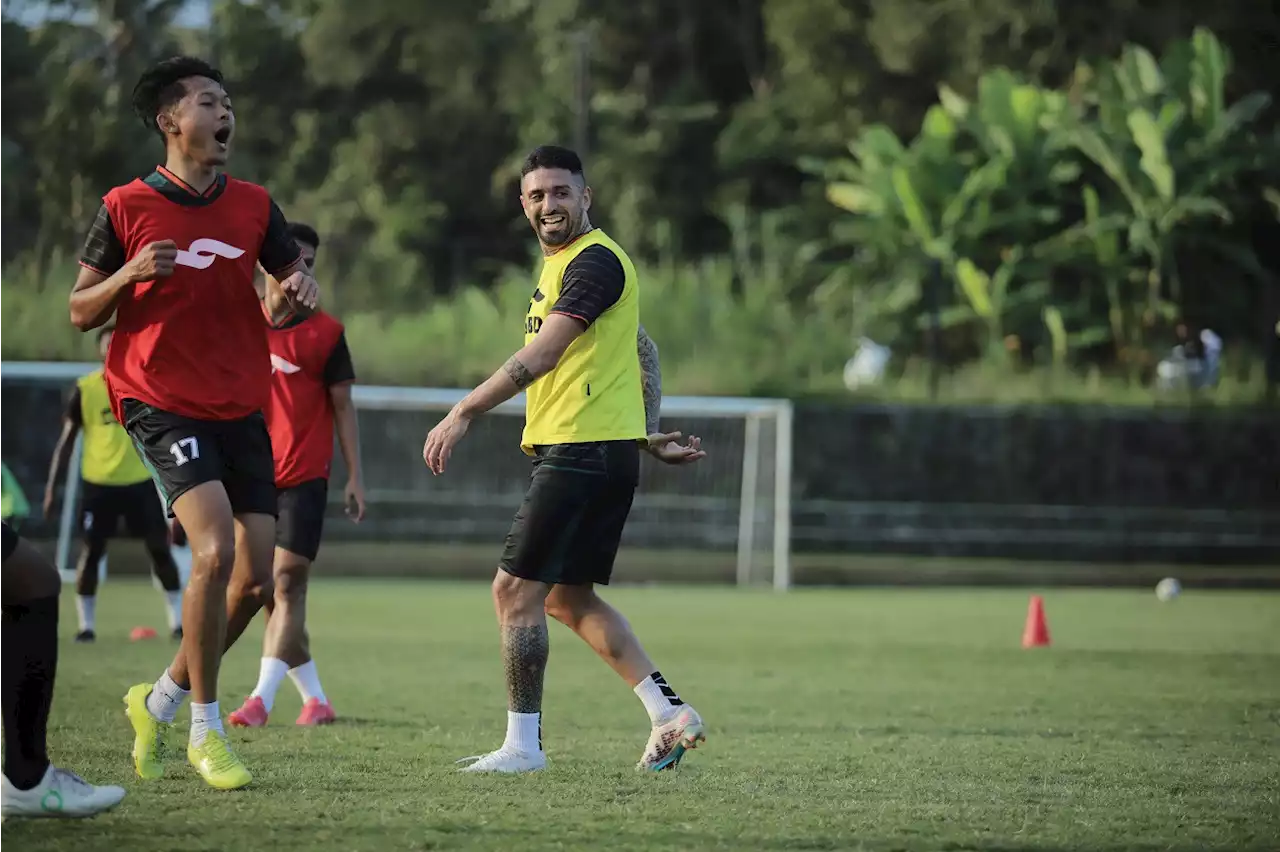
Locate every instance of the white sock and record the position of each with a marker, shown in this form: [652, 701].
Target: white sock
[85, 606]
[307, 679]
[270, 675]
[165, 698]
[660, 700]
[205, 718]
[173, 601]
[524, 732]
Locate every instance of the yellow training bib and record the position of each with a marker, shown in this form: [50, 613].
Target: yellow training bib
[595, 392]
[109, 457]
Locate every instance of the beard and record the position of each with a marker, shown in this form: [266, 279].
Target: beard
[560, 234]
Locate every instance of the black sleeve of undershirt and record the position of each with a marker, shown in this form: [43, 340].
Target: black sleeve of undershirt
[338, 368]
[279, 251]
[103, 251]
[73, 408]
[592, 284]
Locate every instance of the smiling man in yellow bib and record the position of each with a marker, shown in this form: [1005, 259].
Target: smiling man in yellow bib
[593, 388]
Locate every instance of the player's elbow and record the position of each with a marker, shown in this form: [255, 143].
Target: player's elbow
[542, 359]
[82, 318]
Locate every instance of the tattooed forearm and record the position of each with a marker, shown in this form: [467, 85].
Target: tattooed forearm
[651, 378]
[524, 655]
[519, 373]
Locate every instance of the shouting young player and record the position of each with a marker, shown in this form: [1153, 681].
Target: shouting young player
[591, 402]
[32, 786]
[189, 373]
[115, 486]
[311, 379]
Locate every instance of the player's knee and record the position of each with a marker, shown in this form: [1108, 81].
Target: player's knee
[514, 595]
[214, 561]
[564, 610]
[291, 582]
[253, 590]
[560, 612]
[570, 604]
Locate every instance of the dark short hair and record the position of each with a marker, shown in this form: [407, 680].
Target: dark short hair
[302, 233]
[552, 157]
[160, 86]
[104, 331]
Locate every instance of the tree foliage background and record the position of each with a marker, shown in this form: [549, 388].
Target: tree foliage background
[789, 173]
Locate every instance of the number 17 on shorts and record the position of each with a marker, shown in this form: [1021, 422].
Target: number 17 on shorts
[185, 450]
[180, 452]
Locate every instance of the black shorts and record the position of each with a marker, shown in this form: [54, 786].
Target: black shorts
[102, 507]
[183, 453]
[301, 518]
[10, 542]
[569, 526]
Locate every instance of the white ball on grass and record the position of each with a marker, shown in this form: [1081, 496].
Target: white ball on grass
[1168, 589]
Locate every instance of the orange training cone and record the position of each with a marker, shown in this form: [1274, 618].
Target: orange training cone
[1036, 632]
[142, 633]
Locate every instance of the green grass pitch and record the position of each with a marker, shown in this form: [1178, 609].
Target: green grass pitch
[838, 719]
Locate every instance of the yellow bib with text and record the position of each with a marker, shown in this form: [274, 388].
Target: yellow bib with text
[594, 393]
[109, 457]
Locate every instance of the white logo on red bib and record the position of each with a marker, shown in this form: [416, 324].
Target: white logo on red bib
[278, 363]
[202, 252]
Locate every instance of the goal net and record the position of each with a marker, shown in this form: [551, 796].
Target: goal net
[726, 518]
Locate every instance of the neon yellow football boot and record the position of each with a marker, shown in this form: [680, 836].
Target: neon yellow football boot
[217, 763]
[149, 733]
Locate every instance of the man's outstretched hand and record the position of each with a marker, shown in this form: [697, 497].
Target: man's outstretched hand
[666, 447]
[442, 439]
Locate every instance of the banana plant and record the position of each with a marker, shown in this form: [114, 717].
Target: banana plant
[995, 190]
[1063, 342]
[1171, 148]
[980, 175]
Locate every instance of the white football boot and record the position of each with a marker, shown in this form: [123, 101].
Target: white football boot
[671, 739]
[59, 795]
[505, 760]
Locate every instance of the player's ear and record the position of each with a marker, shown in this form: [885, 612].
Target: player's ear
[586, 198]
[166, 124]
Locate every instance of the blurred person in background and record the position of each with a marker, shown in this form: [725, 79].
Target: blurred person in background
[311, 381]
[115, 486]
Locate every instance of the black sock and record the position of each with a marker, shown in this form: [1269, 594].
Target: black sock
[30, 658]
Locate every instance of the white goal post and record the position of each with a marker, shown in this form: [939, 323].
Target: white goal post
[738, 499]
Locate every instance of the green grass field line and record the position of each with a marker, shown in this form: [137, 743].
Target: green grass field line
[839, 719]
